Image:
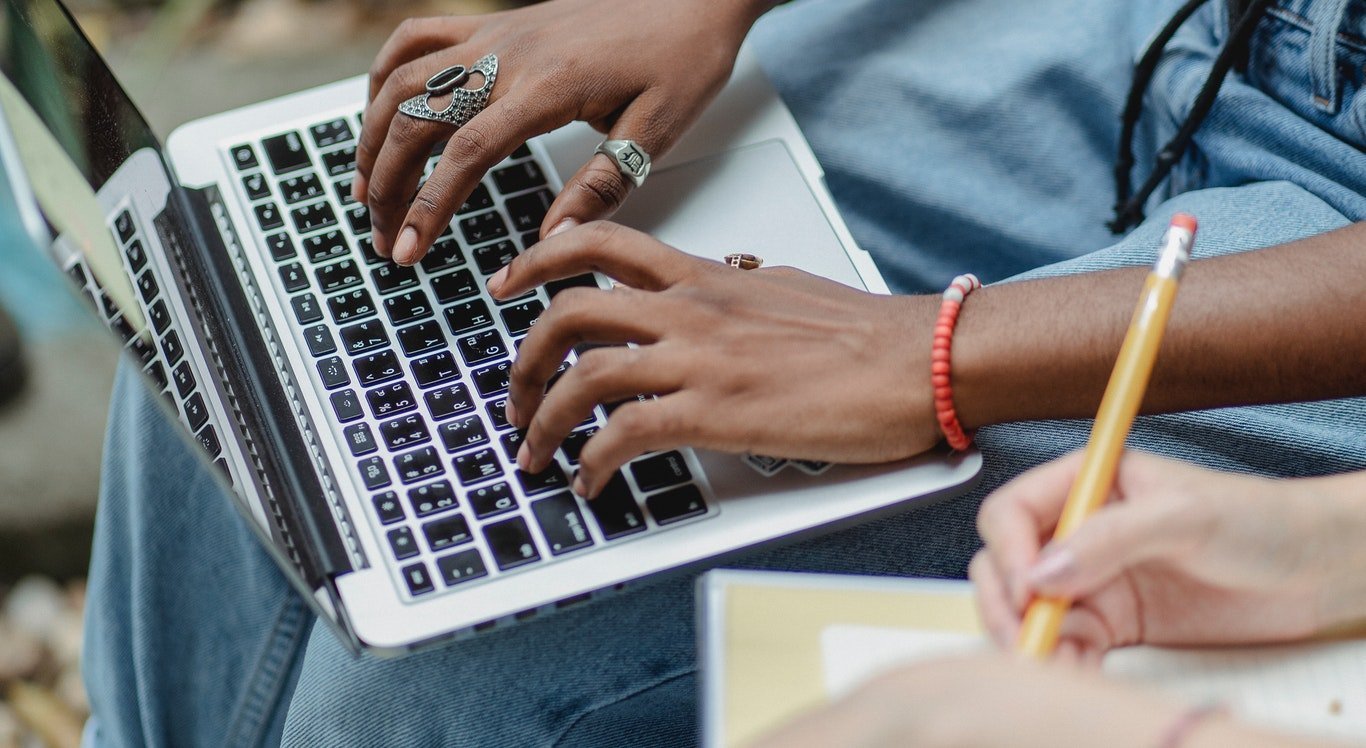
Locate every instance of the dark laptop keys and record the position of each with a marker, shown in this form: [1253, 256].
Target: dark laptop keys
[359, 439]
[346, 404]
[377, 368]
[468, 316]
[390, 278]
[547, 480]
[418, 464]
[158, 374]
[137, 256]
[338, 276]
[147, 286]
[676, 504]
[444, 254]
[285, 152]
[616, 511]
[364, 336]
[402, 542]
[374, 473]
[255, 186]
[463, 433]
[518, 177]
[521, 317]
[527, 211]
[483, 227]
[340, 162]
[447, 533]
[448, 401]
[123, 227]
[510, 543]
[497, 417]
[293, 277]
[343, 189]
[492, 380]
[351, 306]
[208, 440]
[454, 286]
[388, 508]
[491, 258]
[492, 500]
[391, 399]
[478, 200]
[430, 499]
[408, 431]
[160, 316]
[367, 251]
[324, 247]
[244, 157]
[418, 579]
[461, 567]
[523, 151]
[661, 471]
[358, 218]
[171, 347]
[561, 523]
[529, 239]
[435, 369]
[144, 350]
[408, 307]
[183, 378]
[481, 347]
[581, 281]
[333, 373]
[195, 412]
[420, 338]
[573, 444]
[512, 442]
[313, 217]
[281, 247]
[320, 341]
[301, 188]
[477, 466]
[331, 133]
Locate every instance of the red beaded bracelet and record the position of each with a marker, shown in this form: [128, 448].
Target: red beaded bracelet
[941, 360]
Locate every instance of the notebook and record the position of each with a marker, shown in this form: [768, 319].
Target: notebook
[776, 644]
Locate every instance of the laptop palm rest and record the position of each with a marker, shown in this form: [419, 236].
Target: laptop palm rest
[751, 199]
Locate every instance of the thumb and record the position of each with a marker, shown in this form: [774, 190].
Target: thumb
[600, 188]
[1114, 540]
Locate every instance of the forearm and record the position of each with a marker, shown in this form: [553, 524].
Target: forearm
[1337, 517]
[1282, 324]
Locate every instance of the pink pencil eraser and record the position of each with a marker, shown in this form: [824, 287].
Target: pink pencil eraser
[1185, 221]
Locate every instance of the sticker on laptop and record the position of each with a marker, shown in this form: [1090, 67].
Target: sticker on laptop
[771, 466]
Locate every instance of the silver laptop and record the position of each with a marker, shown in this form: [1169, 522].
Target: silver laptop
[353, 407]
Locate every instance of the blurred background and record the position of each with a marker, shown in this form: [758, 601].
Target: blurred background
[179, 60]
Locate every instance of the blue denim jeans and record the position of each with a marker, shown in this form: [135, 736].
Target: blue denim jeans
[971, 135]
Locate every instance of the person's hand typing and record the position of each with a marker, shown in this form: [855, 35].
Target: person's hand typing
[771, 361]
[1179, 555]
[638, 70]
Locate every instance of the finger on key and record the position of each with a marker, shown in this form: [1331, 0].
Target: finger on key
[635, 428]
[633, 258]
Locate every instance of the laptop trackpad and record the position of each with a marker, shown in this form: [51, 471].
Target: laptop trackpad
[751, 199]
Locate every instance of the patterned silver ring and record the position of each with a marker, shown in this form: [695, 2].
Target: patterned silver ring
[631, 160]
[465, 102]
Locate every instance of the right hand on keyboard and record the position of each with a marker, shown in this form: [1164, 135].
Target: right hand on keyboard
[636, 70]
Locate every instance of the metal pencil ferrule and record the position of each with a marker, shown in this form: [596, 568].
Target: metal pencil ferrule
[1176, 252]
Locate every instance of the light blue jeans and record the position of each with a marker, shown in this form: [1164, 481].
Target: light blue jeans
[974, 135]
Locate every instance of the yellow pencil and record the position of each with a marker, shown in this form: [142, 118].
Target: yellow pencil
[1123, 395]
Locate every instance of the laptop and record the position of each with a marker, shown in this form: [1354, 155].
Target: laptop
[353, 409]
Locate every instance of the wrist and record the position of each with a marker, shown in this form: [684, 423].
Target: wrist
[1340, 511]
[909, 389]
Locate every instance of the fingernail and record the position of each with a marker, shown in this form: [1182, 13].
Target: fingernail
[1053, 567]
[497, 281]
[510, 412]
[580, 487]
[524, 457]
[405, 250]
[562, 227]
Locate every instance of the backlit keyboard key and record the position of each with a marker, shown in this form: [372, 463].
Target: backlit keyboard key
[492, 380]
[491, 258]
[578, 281]
[660, 471]
[256, 186]
[338, 276]
[479, 199]
[561, 523]
[377, 368]
[528, 211]
[359, 439]
[333, 373]
[454, 286]
[373, 473]
[343, 190]
[364, 336]
[366, 245]
[244, 157]
[446, 253]
[285, 152]
[301, 188]
[388, 508]
[408, 431]
[547, 480]
[183, 378]
[171, 347]
[518, 177]
[492, 500]
[293, 277]
[512, 443]
[358, 218]
[351, 306]
[573, 444]
[510, 543]
[616, 511]
[461, 567]
[319, 340]
[340, 162]
[521, 317]
[432, 498]
[448, 401]
[469, 316]
[324, 247]
[147, 286]
[417, 465]
[390, 278]
[435, 369]
[391, 399]
[346, 405]
[313, 217]
[676, 504]
[420, 338]
[447, 533]
[483, 227]
[281, 247]
[497, 417]
[196, 414]
[160, 316]
[481, 347]
[463, 433]
[331, 133]
[407, 307]
[418, 580]
[402, 542]
[477, 466]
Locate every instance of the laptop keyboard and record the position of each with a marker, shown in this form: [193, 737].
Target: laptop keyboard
[415, 362]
